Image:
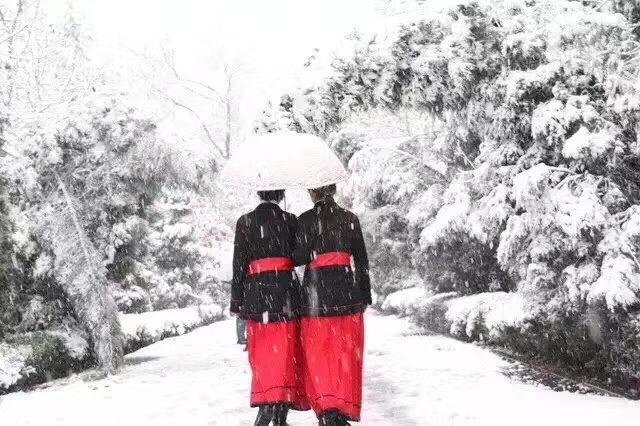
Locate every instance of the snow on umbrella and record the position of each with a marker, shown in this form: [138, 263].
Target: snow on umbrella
[283, 160]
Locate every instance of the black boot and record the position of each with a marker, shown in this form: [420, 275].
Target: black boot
[265, 415]
[330, 418]
[333, 418]
[280, 413]
[342, 421]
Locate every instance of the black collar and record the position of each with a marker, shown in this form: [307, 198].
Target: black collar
[326, 201]
[267, 205]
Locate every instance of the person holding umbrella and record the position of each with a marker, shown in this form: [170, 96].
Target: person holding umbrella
[336, 292]
[265, 293]
[265, 288]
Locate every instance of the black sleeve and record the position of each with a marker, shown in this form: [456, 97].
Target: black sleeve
[361, 261]
[239, 268]
[302, 247]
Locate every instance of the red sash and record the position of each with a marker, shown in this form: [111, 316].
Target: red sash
[332, 259]
[270, 264]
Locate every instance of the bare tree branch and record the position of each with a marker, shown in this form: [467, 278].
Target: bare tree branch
[221, 98]
[197, 116]
[197, 93]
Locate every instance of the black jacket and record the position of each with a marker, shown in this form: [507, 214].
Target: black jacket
[332, 291]
[266, 232]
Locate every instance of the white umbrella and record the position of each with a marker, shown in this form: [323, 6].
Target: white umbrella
[283, 160]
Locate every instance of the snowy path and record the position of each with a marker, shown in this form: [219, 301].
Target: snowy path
[202, 379]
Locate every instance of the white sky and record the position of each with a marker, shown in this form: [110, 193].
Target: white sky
[271, 39]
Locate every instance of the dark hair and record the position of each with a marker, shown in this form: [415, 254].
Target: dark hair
[273, 195]
[325, 191]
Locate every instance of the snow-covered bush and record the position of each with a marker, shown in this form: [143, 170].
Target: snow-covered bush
[403, 302]
[13, 365]
[34, 357]
[532, 111]
[149, 327]
[484, 316]
[456, 247]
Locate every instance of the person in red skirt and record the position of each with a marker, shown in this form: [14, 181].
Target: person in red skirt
[266, 292]
[335, 293]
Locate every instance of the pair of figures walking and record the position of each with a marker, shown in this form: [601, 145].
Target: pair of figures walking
[305, 340]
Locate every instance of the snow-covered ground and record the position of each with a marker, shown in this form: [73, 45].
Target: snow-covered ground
[202, 378]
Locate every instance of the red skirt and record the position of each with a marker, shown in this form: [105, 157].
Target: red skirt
[333, 350]
[276, 364]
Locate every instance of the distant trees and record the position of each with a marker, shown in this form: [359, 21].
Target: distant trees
[44, 63]
[212, 103]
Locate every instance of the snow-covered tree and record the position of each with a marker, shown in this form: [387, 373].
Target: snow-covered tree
[45, 65]
[173, 255]
[114, 159]
[95, 212]
[533, 108]
[79, 193]
[78, 268]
